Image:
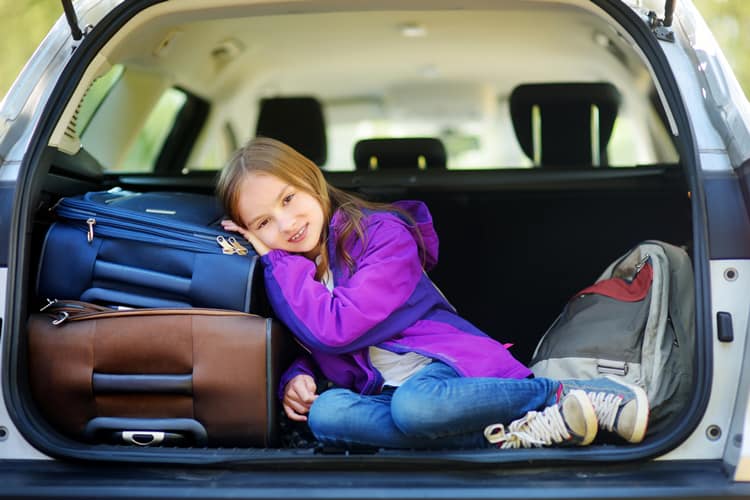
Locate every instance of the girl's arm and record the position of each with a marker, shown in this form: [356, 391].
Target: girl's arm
[352, 315]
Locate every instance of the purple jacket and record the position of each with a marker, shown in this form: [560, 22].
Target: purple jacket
[388, 302]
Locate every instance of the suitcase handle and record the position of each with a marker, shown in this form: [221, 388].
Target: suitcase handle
[117, 383]
[150, 438]
[111, 272]
[147, 431]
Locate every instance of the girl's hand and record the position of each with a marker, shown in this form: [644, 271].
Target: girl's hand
[299, 395]
[260, 248]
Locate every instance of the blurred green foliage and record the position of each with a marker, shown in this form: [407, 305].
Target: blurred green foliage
[24, 23]
[728, 21]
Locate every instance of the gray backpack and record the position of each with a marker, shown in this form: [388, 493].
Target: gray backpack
[636, 323]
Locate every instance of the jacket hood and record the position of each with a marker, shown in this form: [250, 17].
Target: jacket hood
[424, 228]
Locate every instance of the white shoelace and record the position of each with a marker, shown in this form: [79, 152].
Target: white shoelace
[535, 429]
[606, 405]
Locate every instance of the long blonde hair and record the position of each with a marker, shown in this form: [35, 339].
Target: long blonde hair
[263, 154]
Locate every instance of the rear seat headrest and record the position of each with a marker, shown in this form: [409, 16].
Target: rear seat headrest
[408, 152]
[570, 135]
[297, 121]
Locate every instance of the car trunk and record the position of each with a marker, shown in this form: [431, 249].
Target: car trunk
[515, 245]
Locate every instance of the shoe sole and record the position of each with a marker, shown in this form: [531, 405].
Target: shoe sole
[589, 416]
[639, 432]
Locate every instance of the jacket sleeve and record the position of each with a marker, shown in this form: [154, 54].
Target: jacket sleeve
[303, 365]
[353, 314]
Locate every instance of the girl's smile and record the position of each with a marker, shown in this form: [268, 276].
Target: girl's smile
[280, 215]
[299, 235]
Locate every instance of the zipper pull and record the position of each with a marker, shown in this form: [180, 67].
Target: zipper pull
[640, 265]
[50, 302]
[226, 247]
[90, 235]
[61, 317]
[239, 249]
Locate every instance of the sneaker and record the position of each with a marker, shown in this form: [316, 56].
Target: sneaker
[620, 408]
[571, 421]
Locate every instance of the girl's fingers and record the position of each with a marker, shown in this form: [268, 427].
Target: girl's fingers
[297, 406]
[298, 397]
[230, 225]
[302, 395]
[304, 388]
[295, 409]
[310, 385]
[294, 415]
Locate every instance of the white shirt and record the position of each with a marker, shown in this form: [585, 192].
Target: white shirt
[397, 368]
[394, 368]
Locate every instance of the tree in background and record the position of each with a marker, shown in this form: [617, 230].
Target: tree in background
[728, 21]
[24, 23]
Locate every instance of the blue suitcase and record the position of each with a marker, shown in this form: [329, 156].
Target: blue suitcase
[158, 249]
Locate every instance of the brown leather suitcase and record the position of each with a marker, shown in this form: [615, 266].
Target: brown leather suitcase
[158, 376]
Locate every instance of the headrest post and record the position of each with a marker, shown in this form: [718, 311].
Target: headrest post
[404, 152]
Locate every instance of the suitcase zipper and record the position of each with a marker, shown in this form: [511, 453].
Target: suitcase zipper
[73, 310]
[90, 235]
[149, 229]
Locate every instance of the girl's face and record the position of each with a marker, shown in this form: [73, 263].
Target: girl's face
[280, 215]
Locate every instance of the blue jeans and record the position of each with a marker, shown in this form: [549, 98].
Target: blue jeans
[435, 408]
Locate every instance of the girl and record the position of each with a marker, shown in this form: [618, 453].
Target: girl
[348, 279]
